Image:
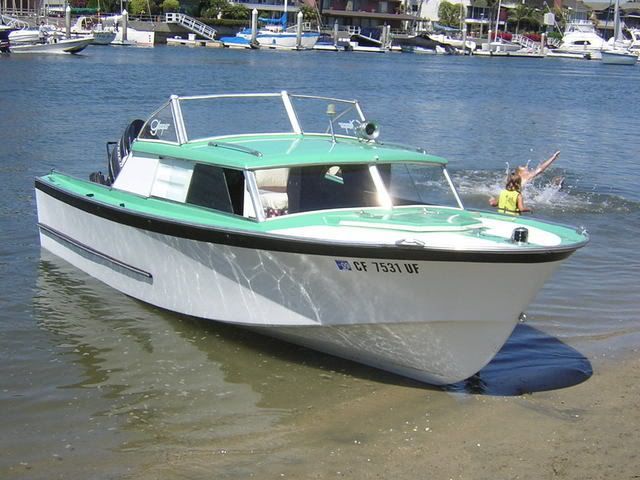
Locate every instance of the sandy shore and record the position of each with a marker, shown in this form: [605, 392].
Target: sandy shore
[588, 431]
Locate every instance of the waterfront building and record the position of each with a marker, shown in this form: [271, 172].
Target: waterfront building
[367, 14]
[276, 6]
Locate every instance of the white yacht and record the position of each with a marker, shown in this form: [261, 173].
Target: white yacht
[581, 40]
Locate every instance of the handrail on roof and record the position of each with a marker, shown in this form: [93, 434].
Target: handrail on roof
[233, 146]
[229, 95]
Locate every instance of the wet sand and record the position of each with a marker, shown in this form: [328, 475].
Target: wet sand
[587, 431]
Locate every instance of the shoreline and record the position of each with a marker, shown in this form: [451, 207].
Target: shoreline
[401, 431]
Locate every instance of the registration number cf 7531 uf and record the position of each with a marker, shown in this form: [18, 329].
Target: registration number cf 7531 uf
[378, 267]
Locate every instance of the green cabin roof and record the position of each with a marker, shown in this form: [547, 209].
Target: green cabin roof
[285, 150]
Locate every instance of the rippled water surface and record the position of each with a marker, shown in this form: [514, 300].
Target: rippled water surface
[95, 383]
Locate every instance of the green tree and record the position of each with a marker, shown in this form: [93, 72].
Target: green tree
[170, 6]
[449, 14]
[137, 7]
[309, 14]
[224, 9]
[522, 14]
[236, 11]
[216, 7]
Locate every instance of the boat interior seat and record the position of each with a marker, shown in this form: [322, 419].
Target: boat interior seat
[272, 185]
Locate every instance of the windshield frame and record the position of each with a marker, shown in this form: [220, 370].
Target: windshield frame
[178, 126]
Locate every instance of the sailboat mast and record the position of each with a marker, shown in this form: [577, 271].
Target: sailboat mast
[284, 16]
[497, 21]
[617, 34]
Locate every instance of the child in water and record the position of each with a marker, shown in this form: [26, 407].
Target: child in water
[510, 199]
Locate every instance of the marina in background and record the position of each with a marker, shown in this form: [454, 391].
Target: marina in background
[98, 385]
[405, 27]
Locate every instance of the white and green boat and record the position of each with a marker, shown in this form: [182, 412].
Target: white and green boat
[311, 230]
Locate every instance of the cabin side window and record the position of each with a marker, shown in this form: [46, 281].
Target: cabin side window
[217, 188]
[172, 179]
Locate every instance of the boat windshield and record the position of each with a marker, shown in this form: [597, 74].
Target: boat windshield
[185, 119]
[285, 191]
[320, 115]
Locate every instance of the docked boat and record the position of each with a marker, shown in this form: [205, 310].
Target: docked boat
[618, 57]
[421, 43]
[619, 54]
[133, 37]
[278, 36]
[328, 43]
[5, 30]
[360, 42]
[102, 35]
[459, 43]
[580, 40]
[312, 230]
[634, 44]
[274, 34]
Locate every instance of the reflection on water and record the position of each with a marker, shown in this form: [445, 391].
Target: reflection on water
[151, 380]
[149, 362]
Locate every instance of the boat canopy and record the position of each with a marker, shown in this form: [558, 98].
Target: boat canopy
[271, 151]
[275, 21]
[291, 130]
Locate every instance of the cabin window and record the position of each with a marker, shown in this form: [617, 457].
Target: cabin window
[172, 179]
[322, 187]
[217, 188]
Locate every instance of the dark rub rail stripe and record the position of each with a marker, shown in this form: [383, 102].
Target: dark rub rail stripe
[274, 243]
[92, 251]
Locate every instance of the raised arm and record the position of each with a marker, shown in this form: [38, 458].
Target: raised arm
[544, 165]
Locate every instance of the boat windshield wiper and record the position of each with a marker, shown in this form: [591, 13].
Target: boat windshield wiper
[233, 146]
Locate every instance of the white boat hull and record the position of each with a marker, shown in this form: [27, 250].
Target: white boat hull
[613, 57]
[565, 54]
[70, 45]
[326, 47]
[134, 37]
[284, 40]
[103, 38]
[434, 321]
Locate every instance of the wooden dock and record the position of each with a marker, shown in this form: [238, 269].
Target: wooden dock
[193, 42]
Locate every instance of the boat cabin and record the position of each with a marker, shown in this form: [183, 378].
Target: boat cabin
[300, 163]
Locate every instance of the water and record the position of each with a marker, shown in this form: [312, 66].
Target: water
[96, 385]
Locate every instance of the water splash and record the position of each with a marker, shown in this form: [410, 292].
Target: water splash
[556, 191]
